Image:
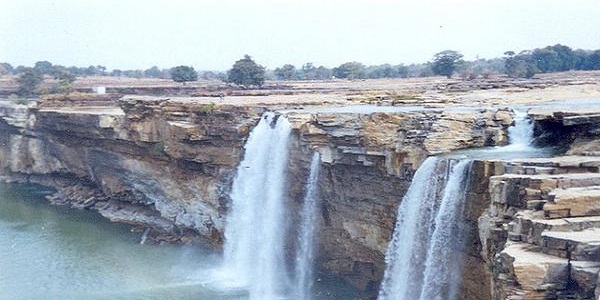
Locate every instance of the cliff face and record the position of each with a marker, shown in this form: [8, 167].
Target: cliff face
[368, 164]
[148, 164]
[539, 235]
[168, 165]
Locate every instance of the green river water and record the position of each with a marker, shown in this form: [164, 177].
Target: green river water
[54, 252]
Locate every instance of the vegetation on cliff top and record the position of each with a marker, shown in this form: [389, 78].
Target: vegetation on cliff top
[246, 72]
[183, 74]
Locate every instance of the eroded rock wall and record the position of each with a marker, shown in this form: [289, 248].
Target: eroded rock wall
[168, 165]
[368, 164]
[171, 163]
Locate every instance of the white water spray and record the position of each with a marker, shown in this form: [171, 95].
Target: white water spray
[255, 230]
[405, 256]
[145, 236]
[443, 267]
[521, 133]
[308, 226]
[425, 233]
[423, 259]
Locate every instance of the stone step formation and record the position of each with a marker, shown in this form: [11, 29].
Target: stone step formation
[545, 228]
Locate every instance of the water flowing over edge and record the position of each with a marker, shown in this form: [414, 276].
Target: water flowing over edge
[308, 227]
[406, 276]
[442, 276]
[255, 231]
[427, 229]
[521, 133]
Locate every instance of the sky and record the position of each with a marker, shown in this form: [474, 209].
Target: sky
[212, 34]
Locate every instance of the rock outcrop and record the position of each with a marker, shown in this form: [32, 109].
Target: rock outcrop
[161, 163]
[369, 161]
[540, 234]
[168, 165]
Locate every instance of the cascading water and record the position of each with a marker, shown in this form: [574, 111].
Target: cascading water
[255, 230]
[521, 133]
[425, 228]
[422, 261]
[443, 266]
[308, 227]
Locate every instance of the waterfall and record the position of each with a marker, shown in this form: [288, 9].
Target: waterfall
[145, 236]
[443, 266]
[308, 226]
[423, 259]
[521, 133]
[255, 230]
[425, 231]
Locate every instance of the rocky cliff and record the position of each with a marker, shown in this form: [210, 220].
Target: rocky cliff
[539, 235]
[167, 164]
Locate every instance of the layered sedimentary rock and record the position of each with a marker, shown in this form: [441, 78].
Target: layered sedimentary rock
[153, 163]
[540, 234]
[369, 161]
[168, 165]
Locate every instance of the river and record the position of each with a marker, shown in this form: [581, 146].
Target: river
[54, 252]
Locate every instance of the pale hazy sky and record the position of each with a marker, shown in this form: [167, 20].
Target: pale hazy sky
[213, 34]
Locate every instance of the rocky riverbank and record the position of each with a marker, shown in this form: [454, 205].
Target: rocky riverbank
[167, 164]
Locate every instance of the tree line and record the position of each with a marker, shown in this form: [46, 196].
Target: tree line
[246, 72]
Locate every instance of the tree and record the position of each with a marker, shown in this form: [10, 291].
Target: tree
[100, 70]
[310, 72]
[381, 71]
[521, 65]
[593, 61]
[580, 58]
[350, 70]
[566, 56]
[445, 62]
[546, 59]
[153, 72]
[323, 73]
[65, 79]
[6, 68]
[287, 72]
[29, 81]
[245, 72]
[43, 67]
[116, 73]
[183, 74]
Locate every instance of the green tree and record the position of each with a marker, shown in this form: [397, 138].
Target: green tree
[183, 74]
[153, 72]
[592, 62]
[580, 58]
[287, 72]
[29, 81]
[566, 56]
[446, 62]
[546, 59]
[6, 68]
[350, 70]
[521, 65]
[245, 72]
[323, 73]
[44, 67]
[310, 72]
[65, 80]
[116, 73]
